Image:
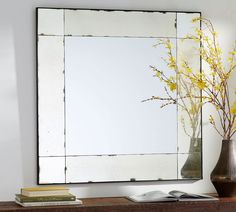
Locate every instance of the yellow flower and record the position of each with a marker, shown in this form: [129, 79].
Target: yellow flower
[186, 68]
[198, 31]
[199, 81]
[189, 70]
[227, 75]
[168, 44]
[206, 38]
[214, 33]
[171, 85]
[213, 73]
[158, 73]
[233, 108]
[211, 120]
[201, 84]
[217, 87]
[172, 63]
[233, 52]
[194, 20]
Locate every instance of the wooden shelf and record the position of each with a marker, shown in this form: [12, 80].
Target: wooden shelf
[117, 204]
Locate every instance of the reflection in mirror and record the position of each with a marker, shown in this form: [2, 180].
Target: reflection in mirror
[104, 98]
[180, 91]
[93, 75]
[190, 113]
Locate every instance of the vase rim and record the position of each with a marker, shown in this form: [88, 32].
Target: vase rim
[227, 140]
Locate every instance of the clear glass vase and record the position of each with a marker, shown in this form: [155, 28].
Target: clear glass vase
[192, 167]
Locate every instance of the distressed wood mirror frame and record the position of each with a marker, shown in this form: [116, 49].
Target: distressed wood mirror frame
[92, 75]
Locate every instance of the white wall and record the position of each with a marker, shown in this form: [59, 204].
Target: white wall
[18, 92]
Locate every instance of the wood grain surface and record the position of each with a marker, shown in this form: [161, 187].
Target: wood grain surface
[121, 204]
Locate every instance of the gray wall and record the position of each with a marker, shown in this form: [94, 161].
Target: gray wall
[18, 92]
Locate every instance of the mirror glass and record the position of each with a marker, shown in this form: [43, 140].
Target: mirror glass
[104, 98]
[94, 77]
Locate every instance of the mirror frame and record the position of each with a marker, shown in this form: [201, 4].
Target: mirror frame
[39, 181]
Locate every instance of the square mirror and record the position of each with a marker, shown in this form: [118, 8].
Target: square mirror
[93, 77]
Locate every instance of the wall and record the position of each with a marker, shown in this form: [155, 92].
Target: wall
[18, 92]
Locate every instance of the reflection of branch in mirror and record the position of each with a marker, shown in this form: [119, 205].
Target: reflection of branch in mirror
[179, 91]
[182, 92]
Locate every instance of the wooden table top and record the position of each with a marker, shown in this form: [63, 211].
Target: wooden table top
[123, 204]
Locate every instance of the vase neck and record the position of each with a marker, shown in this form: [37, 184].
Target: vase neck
[228, 146]
[227, 140]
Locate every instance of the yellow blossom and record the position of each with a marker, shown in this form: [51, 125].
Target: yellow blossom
[214, 33]
[158, 73]
[213, 73]
[198, 81]
[211, 120]
[168, 44]
[198, 31]
[171, 85]
[233, 108]
[190, 80]
[232, 53]
[201, 84]
[206, 38]
[217, 87]
[172, 63]
[227, 75]
[186, 68]
[194, 20]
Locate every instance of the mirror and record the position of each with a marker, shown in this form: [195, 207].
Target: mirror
[94, 76]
